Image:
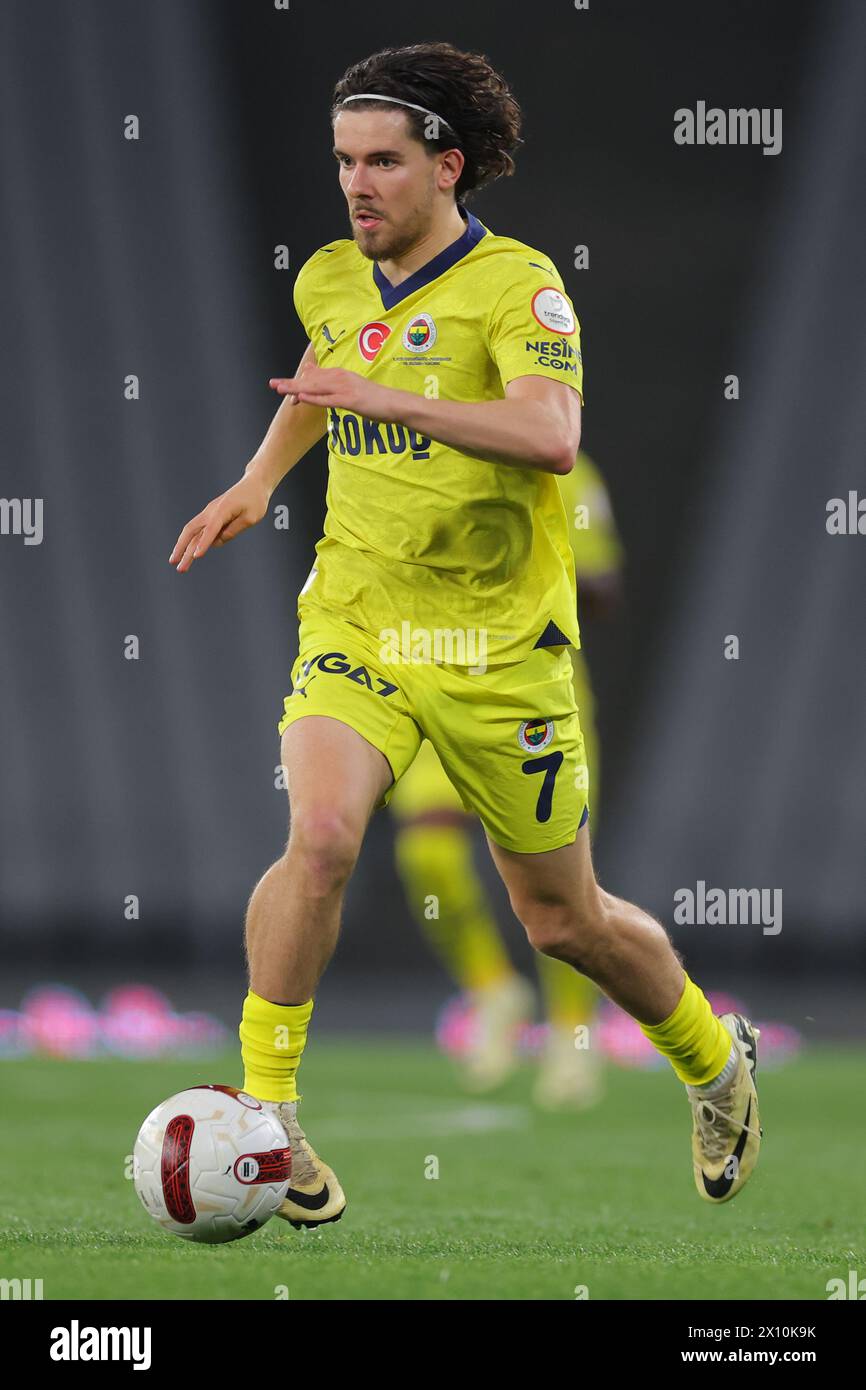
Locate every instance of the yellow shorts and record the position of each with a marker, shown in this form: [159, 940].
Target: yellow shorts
[424, 789]
[509, 739]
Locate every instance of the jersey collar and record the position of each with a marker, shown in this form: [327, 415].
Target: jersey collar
[393, 294]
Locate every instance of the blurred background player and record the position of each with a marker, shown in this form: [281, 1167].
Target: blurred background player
[446, 893]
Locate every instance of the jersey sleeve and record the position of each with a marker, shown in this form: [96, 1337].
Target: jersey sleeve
[311, 288]
[533, 330]
[301, 297]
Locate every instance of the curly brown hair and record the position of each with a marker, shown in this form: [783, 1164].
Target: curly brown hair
[474, 101]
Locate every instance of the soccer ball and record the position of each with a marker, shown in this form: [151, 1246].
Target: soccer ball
[211, 1164]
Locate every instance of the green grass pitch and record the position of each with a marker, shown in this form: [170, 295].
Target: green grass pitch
[525, 1206]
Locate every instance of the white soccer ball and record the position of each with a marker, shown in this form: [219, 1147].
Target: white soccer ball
[211, 1164]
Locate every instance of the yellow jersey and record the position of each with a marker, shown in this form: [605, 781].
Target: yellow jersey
[415, 530]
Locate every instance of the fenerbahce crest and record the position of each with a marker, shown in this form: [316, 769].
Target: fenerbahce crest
[535, 734]
[420, 334]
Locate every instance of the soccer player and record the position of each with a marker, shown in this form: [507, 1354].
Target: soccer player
[433, 852]
[444, 364]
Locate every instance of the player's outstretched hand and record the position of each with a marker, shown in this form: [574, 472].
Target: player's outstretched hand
[335, 386]
[222, 519]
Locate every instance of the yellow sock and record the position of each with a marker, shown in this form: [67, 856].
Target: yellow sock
[695, 1042]
[435, 861]
[272, 1037]
[569, 998]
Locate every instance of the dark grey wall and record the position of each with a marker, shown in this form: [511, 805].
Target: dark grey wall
[751, 772]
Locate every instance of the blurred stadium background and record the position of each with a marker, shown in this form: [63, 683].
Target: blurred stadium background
[155, 257]
[154, 779]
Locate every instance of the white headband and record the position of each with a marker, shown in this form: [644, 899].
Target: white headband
[376, 96]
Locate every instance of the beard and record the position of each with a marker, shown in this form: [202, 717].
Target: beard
[386, 243]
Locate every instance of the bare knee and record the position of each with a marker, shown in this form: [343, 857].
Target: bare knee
[323, 846]
[571, 930]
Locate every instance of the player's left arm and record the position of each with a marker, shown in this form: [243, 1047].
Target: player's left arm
[536, 425]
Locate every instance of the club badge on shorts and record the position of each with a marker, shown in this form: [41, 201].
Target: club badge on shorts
[535, 734]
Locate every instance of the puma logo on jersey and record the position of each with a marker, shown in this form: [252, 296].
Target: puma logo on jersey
[326, 332]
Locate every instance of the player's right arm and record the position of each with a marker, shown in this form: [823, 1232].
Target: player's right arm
[294, 430]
